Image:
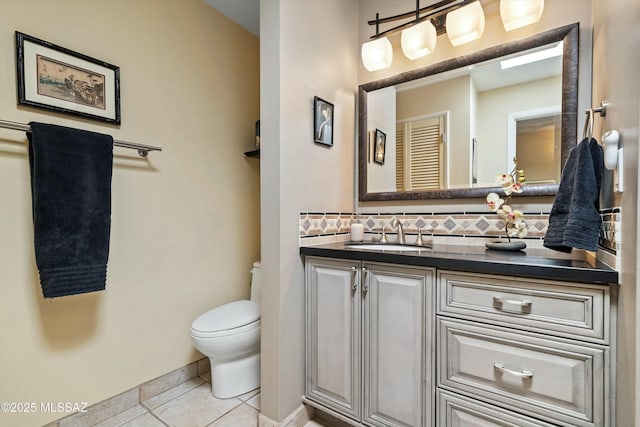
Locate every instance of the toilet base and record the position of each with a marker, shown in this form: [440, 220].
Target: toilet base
[236, 377]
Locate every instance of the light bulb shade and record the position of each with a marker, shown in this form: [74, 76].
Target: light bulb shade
[377, 54]
[466, 24]
[419, 40]
[519, 13]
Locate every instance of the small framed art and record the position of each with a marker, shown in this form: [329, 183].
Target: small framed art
[380, 141]
[58, 79]
[322, 121]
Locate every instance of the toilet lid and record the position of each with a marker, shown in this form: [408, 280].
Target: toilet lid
[228, 316]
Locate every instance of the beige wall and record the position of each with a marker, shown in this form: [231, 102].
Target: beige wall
[381, 114]
[185, 222]
[494, 107]
[556, 14]
[308, 48]
[538, 154]
[615, 79]
[453, 97]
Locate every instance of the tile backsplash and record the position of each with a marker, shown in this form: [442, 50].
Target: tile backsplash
[315, 224]
[454, 224]
[611, 230]
[321, 227]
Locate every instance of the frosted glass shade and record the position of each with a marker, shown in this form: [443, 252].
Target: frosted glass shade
[519, 13]
[377, 54]
[466, 24]
[419, 40]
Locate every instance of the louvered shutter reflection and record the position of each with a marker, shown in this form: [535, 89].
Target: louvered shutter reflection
[400, 169]
[425, 154]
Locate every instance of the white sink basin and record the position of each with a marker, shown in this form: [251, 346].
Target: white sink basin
[386, 247]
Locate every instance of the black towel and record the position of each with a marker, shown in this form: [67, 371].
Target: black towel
[574, 221]
[71, 194]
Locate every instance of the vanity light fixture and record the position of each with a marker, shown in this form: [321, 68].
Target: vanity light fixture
[419, 40]
[462, 20]
[466, 24]
[377, 54]
[519, 13]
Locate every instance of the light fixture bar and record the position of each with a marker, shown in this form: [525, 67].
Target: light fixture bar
[412, 13]
[434, 11]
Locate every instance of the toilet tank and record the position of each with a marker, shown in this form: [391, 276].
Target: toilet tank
[256, 281]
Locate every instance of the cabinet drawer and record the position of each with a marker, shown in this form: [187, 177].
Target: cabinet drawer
[572, 311]
[553, 379]
[455, 410]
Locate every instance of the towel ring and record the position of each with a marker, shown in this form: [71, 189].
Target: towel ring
[588, 124]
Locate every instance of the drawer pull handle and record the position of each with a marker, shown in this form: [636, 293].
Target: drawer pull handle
[524, 374]
[523, 303]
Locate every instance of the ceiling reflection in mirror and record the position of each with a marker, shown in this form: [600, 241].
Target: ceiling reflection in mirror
[452, 131]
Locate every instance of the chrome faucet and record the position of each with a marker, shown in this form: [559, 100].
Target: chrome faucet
[396, 223]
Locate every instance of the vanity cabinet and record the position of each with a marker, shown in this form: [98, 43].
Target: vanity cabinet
[449, 344]
[536, 348]
[369, 342]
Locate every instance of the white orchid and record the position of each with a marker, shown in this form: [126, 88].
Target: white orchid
[514, 219]
[494, 201]
[519, 229]
[510, 215]
[504, 180]
[516, 187]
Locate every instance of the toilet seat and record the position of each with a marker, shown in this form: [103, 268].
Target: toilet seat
[235, 331]
[229, 319]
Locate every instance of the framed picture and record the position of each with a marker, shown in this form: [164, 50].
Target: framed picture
[59, 79]
[322, 121]
[380, 141]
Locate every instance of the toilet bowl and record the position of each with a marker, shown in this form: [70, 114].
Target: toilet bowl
[229, 335]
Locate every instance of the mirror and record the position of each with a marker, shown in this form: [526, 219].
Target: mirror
[451, 127]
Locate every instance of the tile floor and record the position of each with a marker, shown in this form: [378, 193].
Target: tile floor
[191, 404]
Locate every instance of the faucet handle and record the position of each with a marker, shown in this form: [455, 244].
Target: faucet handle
[383, 239]
[419, 240]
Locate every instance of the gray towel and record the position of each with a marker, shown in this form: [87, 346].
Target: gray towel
[574, 221]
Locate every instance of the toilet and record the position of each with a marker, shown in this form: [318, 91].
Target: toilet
[229, 335]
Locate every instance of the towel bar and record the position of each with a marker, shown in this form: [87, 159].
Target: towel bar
[143, 150]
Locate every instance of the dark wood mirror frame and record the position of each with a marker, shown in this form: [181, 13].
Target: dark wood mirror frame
[569, 34]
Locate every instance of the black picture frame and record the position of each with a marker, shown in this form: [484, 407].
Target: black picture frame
[322, 121]
[54, 78]
[379, 146]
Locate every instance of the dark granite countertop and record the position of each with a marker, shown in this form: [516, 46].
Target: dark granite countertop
[532, 263]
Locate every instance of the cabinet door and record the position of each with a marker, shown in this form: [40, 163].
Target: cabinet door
[333, 334]
[396, 329]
